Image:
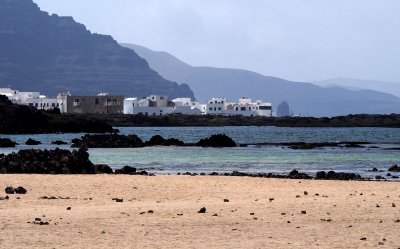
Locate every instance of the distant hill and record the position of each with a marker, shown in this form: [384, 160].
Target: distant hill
[303, 98]
[51, 54]
[383, 86]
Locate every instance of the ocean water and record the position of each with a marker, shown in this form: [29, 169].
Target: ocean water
[252, 159]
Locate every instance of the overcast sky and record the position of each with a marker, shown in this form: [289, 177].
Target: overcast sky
[297, 40]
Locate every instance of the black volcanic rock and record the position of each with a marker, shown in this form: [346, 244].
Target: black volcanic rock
[220, 140]
[54, 54]
[158, 140]
[33, 142]
[108, 141]
[7, 143]
[50, 162]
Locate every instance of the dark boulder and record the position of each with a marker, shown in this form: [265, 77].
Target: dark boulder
[394, 168]
[20, 190]
[126, 170]
[7, 143]
[220, 140]
[10, 190]
[108, 141]
[294, 174]
[332, 175]
[33, 142]
[59, 142]
[158, 140]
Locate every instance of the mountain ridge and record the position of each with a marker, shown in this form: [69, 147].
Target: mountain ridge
[52, 54]
[304, 98]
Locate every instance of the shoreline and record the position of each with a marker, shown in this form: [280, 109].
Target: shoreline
[162, 212]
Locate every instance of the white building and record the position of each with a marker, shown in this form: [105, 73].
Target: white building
[245, 107]
[188, 107]
[154, 105]
[216, 106]
[33, 99]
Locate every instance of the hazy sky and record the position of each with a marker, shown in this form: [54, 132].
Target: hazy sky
[298, 40]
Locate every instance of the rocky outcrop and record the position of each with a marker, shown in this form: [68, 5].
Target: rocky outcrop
[220, 140]
[394, 168]
[108, 141]
[52, 54]
[158, 140]
[50, 162]
[32, 142]
[7, 143]
[332, 175]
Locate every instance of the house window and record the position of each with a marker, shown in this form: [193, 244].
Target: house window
[243, 108]
[96, 101]
[211, 109]
[219, 109]
[76, 100]
[162, 98]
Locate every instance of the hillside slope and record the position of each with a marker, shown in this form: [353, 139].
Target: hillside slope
[303, 98]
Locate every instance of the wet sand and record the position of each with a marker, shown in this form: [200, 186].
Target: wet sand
[261, 213]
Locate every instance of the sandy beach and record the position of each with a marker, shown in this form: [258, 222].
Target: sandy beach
[261, 213]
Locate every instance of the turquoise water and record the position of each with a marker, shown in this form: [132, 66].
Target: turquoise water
[274, 159]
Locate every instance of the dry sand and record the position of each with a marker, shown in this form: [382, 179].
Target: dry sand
[342, 213]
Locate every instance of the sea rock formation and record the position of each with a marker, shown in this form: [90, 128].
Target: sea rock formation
[220, 140]
[158, 140]
[108, 141]
[7, 143]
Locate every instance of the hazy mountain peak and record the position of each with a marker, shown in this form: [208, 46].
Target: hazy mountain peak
[304, 98]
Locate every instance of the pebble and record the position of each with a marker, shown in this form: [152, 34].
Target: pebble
[202, 210]
[271, 199]
[393, 205]
[118, 199]
[226, 200]
[150, 212]
[305, 193]
[68, 208]
[363, 239]
[303, 212]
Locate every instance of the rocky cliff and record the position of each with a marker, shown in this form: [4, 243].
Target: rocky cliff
[52, 54]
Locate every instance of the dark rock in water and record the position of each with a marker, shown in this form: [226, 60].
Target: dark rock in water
[108, 141]
[50, 162]
[31, 141]
[158, 140]
[20, 190]
[379, 178]
[59, 142]
[126, 170]
[7, 143]
[374, 170]
[10, 190]
[220, 140]
[394, 168]
[332, 175]
[202, 210]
